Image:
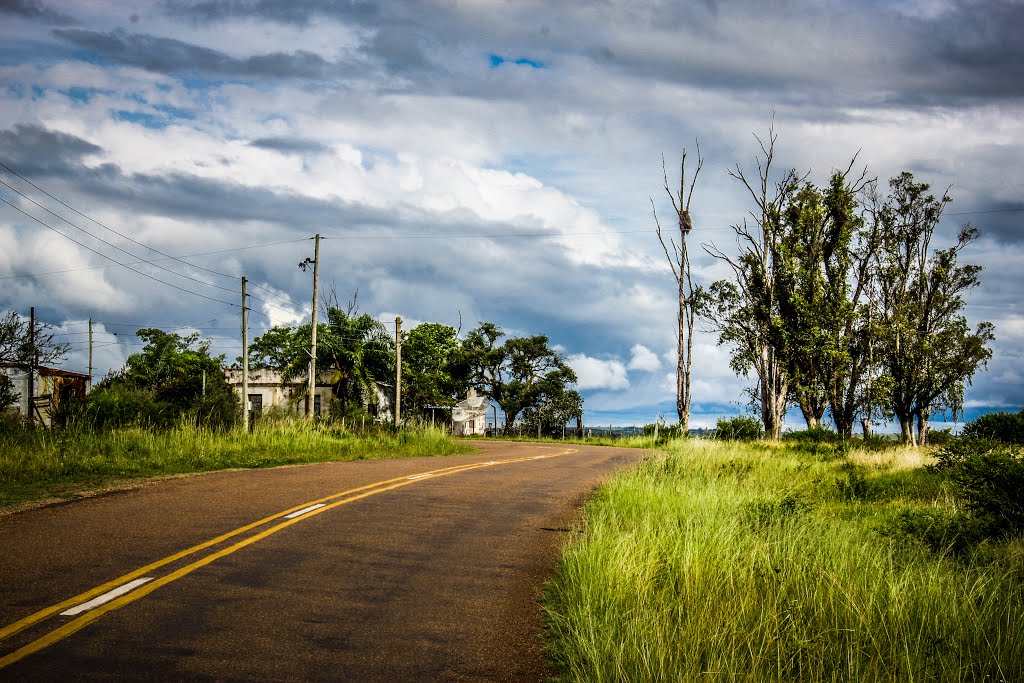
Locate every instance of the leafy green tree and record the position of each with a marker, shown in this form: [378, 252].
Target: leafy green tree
[745, 309]
[928, 350]
[16, 348]
[174, 377]
[823, 280]
[517, 373]
[434, 372]
[558, 407]
[353, 347]
[275, 349]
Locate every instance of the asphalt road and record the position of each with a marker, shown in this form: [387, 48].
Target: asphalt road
[408, 570]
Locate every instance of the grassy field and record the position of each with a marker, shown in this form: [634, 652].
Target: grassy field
[65, 463]
[757, 562]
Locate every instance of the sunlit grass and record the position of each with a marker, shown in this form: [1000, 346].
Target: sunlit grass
[40, 463]
[757, 562]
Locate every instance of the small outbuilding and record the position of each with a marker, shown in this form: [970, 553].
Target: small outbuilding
[469, 416]
[50, 388]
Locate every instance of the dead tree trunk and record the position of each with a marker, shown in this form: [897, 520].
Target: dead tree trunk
[679, 262]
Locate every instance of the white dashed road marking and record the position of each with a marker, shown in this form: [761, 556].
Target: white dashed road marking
[106, 597]
[299, 513]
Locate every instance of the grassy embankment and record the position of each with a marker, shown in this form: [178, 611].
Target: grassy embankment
[756, 562]
[37, 464]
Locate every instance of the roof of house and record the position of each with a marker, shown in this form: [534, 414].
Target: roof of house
[470, 408]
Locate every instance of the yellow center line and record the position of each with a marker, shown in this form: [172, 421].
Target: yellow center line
[91, 616]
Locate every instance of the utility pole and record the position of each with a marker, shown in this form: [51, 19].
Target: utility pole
[398, 369]
[31, 366]
[312, 345]
[89, 388]
[245, 359]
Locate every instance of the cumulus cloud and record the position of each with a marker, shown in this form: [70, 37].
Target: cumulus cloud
[595, 373]
[643, 359]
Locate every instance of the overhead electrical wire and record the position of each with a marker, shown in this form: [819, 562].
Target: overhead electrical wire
[110, 244]
[125, 265]
[111, 265]
[84, 246]
[114, 246]
[89, 218]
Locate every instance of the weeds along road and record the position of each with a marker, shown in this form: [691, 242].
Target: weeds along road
[377, 570]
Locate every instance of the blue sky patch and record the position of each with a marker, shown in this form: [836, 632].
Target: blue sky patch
[174, 112]
[498, 60]
[141, 118]
[82, 94]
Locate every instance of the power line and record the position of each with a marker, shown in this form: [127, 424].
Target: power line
[68, 206]
[110, 244]
[110, 265]
[970, 213]
[49, 227]
[187, 277]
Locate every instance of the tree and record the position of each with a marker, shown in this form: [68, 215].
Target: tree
[822, 282]
[518, 373]
[689, 296]
[172, 378]
[275, 349]
[16, 347]
[745, 311]
[353, 347]
[928, 350]
[8, 395]
[433, 370]
[557, 408]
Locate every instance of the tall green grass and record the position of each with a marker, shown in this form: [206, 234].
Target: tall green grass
[757, 562]
[39, 463]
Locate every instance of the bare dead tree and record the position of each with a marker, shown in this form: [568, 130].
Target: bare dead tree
[743, 309]
[679, 262]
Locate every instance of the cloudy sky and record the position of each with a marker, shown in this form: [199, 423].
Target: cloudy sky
[477, 160]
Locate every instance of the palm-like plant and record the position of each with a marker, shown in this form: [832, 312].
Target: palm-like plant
[355, 349]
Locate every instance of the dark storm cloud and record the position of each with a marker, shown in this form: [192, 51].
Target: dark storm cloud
[290, 145]
[976, 49]
[170, 56]
[34, 150]
[294, 13]
[868, 55]
[36, 11]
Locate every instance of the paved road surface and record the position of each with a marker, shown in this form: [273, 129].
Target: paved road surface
[395, 576]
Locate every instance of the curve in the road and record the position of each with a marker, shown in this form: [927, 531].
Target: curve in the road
[132, 586]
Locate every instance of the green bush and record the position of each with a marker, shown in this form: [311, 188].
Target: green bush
[992, 486]
[1004, 427]
[821, 442]
[941, 531]
[940, 437]
[986, 466]
[813, 435]
[739, 428]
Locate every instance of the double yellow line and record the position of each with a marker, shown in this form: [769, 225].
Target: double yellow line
[326, 503]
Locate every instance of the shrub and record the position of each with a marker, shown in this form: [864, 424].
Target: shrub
[739, 428]
[940, 437]
[939, 530]
[1004, 427]
[817, 441]
[813, 435]
[992, 486]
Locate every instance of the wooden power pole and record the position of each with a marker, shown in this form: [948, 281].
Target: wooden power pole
[312, 344]
[398, 370]
[89, 387]
[245, 359]
[31, 366]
